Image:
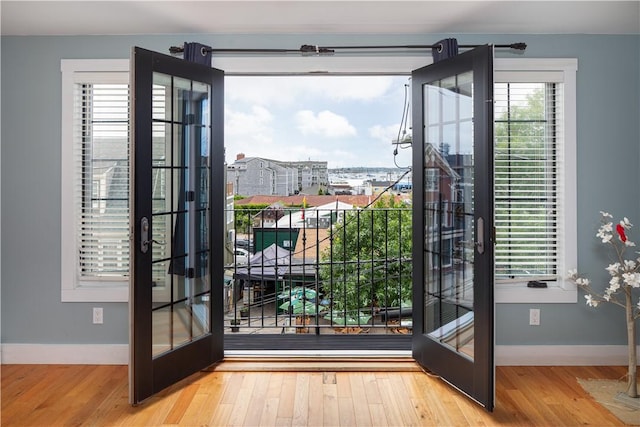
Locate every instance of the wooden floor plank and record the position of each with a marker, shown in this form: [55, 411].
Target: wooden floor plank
[346, 412]
[257, 398]
[269, 414]
[378, 416]
[212, 386]
[301, 400]
[330, 407]
[287, 397]
[222, 414]
[360, 404]
[242, 402]
[185, 397]
[315, 409]
[396, 406]
[56, 395]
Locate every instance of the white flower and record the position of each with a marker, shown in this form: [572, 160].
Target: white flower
[639, 304]
[625, 223]
[632, 279]
[629, 243]
[615, 280]
[607, 297]
[573, 273]
[590, 301]
[604, 232]
[629, 264]
[613, 268]
[605, 214]
[613, 288]
[581, 281]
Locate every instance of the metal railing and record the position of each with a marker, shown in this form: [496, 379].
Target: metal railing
[320, 270]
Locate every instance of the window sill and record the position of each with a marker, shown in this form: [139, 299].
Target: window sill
[514, 293]
[96, 294]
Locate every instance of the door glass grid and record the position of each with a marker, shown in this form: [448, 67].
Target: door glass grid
[180, 212]
[449, 212]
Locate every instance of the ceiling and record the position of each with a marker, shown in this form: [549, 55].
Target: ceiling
[318, 17]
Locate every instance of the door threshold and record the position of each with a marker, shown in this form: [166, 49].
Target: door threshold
[315, 361]
[318, 354]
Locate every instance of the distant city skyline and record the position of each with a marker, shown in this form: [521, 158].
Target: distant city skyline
[348, 121]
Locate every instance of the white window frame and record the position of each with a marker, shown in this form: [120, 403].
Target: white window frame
[73, 289]
[561, 70]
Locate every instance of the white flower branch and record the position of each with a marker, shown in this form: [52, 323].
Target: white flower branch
[625, 273]
[625, 278]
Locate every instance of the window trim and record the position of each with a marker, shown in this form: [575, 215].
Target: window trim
[522, 68]
[72, 289]
[558, 70]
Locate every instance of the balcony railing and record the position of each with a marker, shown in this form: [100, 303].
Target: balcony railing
[320, 270]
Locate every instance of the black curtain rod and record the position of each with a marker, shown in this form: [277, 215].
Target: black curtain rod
[313, 49]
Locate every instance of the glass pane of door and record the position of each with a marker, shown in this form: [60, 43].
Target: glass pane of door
[178, 267]
[180, 212]
[449, 212]
[453, 217]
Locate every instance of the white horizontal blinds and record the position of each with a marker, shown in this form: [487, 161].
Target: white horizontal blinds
[526, 166]
[101, 153]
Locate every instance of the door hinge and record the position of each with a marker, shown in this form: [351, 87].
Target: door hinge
[190, 196]
[190, 119]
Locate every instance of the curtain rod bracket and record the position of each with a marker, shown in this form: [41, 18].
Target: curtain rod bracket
[308, 50]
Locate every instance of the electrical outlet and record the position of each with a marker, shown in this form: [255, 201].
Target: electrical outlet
[98, 318]
[534, 316]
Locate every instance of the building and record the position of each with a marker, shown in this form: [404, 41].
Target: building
[602, 37]
[311, 174]
[255, 175]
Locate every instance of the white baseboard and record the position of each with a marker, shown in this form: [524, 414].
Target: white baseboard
[65, 354]
[506, 355]
[562, 355]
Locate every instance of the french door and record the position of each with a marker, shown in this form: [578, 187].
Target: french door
[452, 103]
[177, 206]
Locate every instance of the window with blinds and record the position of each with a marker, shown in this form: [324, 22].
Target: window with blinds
[101, 159]
[527, 129]
[534, 177]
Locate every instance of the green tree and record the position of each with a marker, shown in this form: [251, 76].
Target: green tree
[368, 263]
[243, 215]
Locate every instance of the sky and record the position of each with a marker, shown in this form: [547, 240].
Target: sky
[345, 120]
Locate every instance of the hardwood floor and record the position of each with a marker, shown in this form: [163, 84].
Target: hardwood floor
[74, 395]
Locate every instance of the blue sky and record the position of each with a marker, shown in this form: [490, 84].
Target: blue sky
[345, 120]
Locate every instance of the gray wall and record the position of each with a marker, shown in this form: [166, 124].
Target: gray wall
[608, 176]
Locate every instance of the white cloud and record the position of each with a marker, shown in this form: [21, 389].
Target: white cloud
[304, 152]
[385, 134]
[325, 123]
[246, 131]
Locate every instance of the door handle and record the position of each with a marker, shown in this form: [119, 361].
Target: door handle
[144, 235]
[480, 231]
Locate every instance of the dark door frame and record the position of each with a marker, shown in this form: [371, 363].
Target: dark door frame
[474, 376]
[149, 374]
